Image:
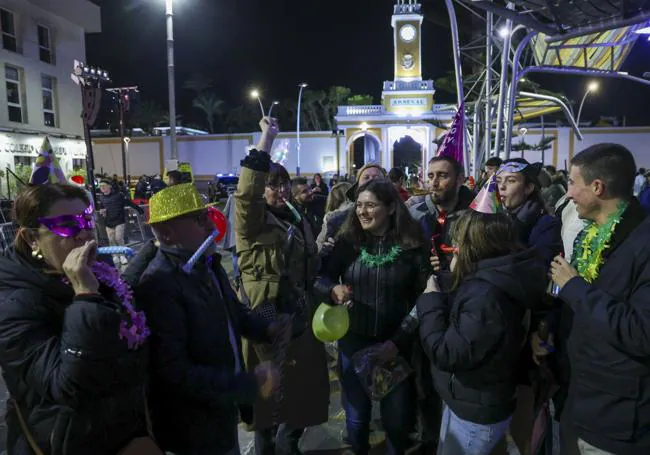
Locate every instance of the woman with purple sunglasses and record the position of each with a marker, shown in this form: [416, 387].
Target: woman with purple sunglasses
[71, 342]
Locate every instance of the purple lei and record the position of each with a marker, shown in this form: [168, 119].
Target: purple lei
[135, 331]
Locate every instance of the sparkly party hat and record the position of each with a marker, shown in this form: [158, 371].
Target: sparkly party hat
[47, 168]
[175, 201]
[488, 200]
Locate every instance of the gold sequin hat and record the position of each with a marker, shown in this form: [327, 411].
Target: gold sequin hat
[175, 201]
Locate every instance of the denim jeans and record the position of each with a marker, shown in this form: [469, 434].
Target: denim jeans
[588, 449]
[460, 437]
[397, 409]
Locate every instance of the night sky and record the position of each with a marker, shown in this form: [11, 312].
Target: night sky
[274, 45]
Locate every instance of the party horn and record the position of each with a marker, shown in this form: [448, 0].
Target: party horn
[293, 210]
[187, 268]
[118, 250]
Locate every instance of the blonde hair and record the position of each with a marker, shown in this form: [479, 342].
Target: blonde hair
[337, 196]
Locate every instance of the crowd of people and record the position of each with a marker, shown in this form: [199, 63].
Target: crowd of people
[482, 307]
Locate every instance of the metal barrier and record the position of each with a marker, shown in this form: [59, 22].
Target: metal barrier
[136, 231]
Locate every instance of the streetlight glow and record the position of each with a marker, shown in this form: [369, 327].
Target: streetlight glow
[304, 85]
[593, 87]
[255, 94]
[503, 32]
[275, 103]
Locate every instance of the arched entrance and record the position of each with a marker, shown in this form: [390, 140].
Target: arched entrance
[407, 152]
[363, 149]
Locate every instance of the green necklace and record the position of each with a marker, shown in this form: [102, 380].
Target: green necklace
[592, 243]
[377, 260]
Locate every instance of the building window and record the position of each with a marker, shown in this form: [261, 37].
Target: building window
[45, 44]
[14, 94]
[24, 161]
[78, 163]
[8, 27]
[48, 88]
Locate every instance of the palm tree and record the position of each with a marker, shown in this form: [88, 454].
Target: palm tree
[198, 83]
[211, 106]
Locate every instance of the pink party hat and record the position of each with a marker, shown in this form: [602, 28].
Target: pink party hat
[488, 199]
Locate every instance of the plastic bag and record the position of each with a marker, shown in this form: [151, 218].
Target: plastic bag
[379, 378]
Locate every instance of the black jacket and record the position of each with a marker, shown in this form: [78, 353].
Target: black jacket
[194, 389]
[474, 336]
[383, 295]
[114, 204]
[609, 343]
[78, 385]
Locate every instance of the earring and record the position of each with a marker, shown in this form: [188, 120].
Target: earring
[36, 254]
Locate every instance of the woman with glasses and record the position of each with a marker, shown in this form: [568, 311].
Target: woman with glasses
[71, 341]
[277, 258]
[378, 268]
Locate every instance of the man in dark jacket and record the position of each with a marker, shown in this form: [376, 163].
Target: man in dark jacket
[438, 212]
[198, 378]
[606, 290]
[112, 205]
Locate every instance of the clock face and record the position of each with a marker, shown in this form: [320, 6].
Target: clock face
[407, 33]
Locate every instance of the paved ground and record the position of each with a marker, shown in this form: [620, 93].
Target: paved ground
[323, 440]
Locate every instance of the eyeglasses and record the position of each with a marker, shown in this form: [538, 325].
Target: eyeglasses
[69, 225]
[280, 187]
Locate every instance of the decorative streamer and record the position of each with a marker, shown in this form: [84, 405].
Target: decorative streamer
[117, 250]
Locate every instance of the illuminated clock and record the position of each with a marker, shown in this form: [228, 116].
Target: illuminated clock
[407, 33]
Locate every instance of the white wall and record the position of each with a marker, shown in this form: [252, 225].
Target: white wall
[68, 43]
[222, 153]
[567, 145]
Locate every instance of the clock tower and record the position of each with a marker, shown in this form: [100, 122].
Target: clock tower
[407, 95]
[407, 28]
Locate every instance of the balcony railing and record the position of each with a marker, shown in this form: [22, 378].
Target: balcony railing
[397, 86]
[344, 111]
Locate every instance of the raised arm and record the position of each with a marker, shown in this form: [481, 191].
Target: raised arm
[250, 208]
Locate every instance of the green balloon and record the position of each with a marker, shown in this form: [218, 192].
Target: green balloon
[330, 323]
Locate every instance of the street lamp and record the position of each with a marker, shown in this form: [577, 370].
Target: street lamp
[275, 103]
[302, 86]
[169, 14]
[255, 94]
[592, 87]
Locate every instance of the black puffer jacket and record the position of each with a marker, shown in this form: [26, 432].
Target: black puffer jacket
[114, 204]
[474, 337]
[79, 387]
[383, 295]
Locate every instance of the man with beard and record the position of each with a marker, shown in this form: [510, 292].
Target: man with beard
[448, 198]
[436, 215]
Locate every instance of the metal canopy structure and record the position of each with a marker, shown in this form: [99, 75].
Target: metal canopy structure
[561, 19]
[518, 37]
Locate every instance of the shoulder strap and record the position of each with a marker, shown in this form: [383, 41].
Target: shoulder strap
[28, 434]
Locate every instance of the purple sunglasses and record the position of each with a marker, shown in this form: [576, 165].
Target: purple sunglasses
[69, 225]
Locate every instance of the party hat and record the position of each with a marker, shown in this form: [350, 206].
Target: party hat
[47, 168]
[452, 145]
[488, 199]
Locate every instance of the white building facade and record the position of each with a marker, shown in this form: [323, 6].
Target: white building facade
[40, 39]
